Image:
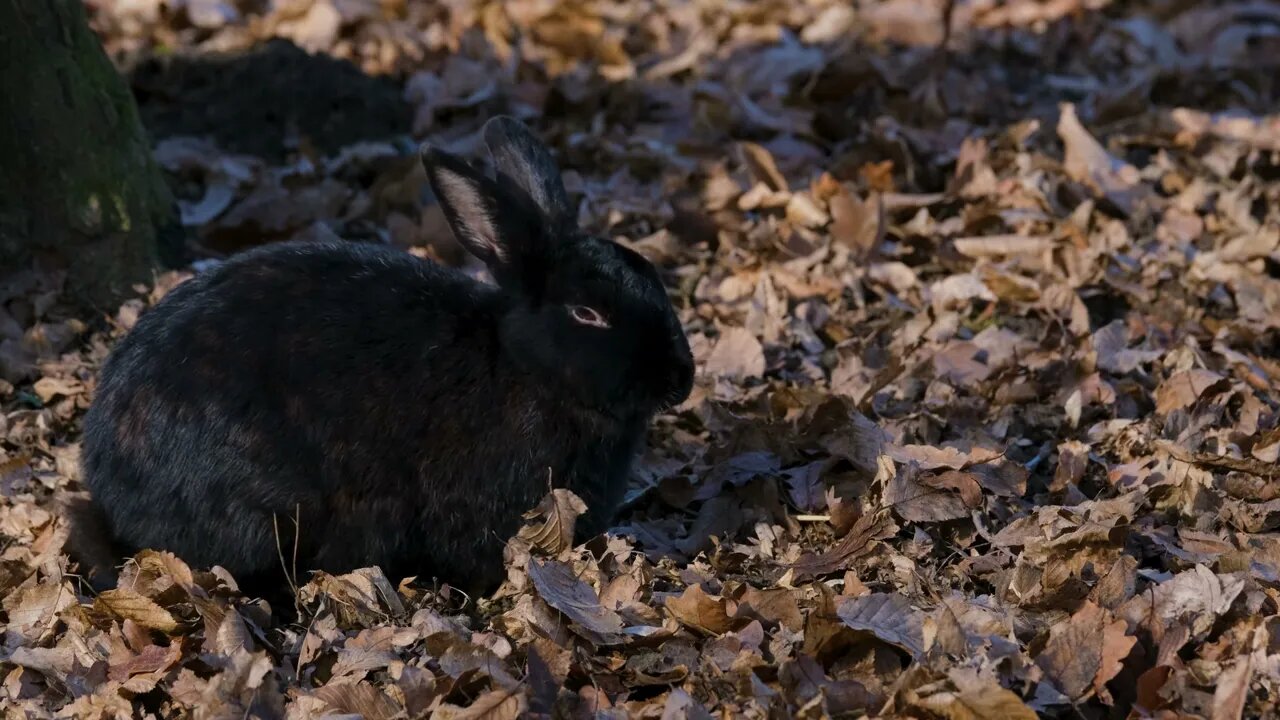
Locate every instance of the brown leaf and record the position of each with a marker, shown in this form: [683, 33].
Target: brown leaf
[1232, 690]
[696, 609]
[129, 605]
[167, 565]
[152, 659]
[1088, 162]
[1073, 459]
[1111, 345]
[466, 658]
[35, 608]
[737, 356]
[975, 698]
[762, 166]
[48, 388]
[372, 649]
[1116, 646]
[914, 501]
[773, 605]
[932, 458]
[1196, 594]
[1184, 389]
[888, 616]
[361, 597]
[562, 590]
[680, 705]
[1001, 477]
[1085, 651]
[858, 542]
[857, 224]
[232, 634]
[962, 482]
[1001, 245]
[493, 705]
[559, 510]
[361, 699]
[1224, 462]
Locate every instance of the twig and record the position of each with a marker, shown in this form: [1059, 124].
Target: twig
[280, 553]
[297, 534]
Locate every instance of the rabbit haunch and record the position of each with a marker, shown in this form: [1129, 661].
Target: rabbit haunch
[404, 414]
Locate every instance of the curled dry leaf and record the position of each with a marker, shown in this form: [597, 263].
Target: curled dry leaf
[559, 511]
[1088, 162]
[48, 388]
[762, 166]
[859, 541]
[361, 596]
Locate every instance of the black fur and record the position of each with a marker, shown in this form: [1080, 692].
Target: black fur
[405, 413]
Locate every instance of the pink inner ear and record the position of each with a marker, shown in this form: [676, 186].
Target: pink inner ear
[472, 213]
[588, 316]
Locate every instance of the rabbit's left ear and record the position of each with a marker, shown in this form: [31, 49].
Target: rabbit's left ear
[521, 156]
[494, 221]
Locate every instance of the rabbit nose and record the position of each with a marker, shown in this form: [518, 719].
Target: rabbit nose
[680, 380]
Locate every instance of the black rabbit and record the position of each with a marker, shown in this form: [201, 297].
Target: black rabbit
[404, 413]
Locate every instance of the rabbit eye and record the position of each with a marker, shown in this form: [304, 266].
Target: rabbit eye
[584, 315]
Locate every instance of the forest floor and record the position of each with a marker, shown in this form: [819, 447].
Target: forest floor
[987, 325]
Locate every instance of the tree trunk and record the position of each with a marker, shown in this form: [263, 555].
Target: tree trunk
[78, 186]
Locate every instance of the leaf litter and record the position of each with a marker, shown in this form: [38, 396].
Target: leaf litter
[985, 424]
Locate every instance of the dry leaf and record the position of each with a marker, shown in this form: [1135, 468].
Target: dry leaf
[1085, 652]
[737, 356]
[974, 698]
[558, 586]
[1087, 161]
[559, 510]
[129, 605]
[360, 699]
[914, 501]
[857, 542]
[1184, 389]
[888, 616]
[696, 609]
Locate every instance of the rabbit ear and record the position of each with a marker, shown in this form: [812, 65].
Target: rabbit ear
[494, 223]
[520, 155]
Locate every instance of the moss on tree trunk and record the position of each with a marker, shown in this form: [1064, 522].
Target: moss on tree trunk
[78, 185]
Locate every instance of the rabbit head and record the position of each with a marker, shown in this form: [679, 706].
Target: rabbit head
[585, 316]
